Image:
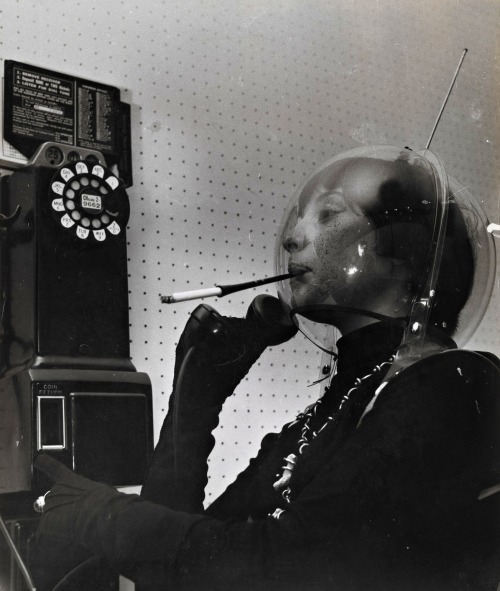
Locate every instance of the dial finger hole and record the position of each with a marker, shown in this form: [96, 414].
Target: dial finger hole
[76, 215]
[85, 181]
[66, 174]
[100, 235]
[98, 170]
[82, 233]
[81, 168]
[103, 190]
[112, 182]
[85, 222]
[70, 194]
[70, 205]
[94, 183]
[114, 228]
[105, 219]
[96, 223]
[58, 188]
[58, 205]
[66, 221]
[75, 185]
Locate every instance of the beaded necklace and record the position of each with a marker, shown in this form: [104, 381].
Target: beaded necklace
[308, 434]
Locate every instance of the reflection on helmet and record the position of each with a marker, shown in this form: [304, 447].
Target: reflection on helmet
[468, 266]
[365, 236]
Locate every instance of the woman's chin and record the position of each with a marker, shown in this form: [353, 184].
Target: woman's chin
[303, 295]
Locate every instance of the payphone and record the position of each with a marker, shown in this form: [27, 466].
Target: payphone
[68, 386]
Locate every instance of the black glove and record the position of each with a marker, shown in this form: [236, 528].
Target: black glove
[225, 348]
[124, 528]
[213, 355]
[73, 506]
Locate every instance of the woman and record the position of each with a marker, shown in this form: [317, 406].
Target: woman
[375, 486]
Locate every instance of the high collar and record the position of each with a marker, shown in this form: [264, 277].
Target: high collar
[361, 350]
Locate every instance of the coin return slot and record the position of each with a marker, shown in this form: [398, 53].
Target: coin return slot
[51, 422]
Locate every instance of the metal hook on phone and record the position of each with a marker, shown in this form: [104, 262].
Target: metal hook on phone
[7, 221]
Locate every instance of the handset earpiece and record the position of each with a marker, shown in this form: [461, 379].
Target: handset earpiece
[267, 311]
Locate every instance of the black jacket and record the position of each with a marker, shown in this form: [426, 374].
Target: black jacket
[386, 502]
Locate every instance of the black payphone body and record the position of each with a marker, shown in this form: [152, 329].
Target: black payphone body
[67, 383]
[68, 386]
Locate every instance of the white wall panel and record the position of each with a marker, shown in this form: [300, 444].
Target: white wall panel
[234, 103]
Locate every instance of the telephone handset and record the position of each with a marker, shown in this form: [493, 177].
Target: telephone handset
[89, 201]
[265, 311]
[222, 344]
[213, 356]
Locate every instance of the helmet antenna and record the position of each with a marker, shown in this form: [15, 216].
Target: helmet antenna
[446, 98]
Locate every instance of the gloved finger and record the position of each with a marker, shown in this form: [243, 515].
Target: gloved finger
[60, 493]
[65, 481]
[53, 469]
[60, 474]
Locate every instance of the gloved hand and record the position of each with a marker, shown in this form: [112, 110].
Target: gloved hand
[122, 527]
[225, 348]
[213, 355]
[217, 351]
[72, 506]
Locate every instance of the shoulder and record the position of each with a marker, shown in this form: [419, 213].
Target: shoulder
[451, 379]
[459, 367]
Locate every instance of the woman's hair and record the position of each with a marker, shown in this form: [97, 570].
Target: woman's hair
[456, 272]
[405, 221]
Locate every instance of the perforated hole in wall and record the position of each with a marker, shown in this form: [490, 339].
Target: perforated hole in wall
[233, 105]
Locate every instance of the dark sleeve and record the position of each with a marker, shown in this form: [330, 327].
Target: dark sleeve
[409, 460]
[205, 374]
[238, 501]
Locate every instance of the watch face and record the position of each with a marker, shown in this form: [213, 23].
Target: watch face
[89, 201]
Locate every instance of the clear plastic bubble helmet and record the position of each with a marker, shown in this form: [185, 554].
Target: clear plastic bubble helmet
[382, 233]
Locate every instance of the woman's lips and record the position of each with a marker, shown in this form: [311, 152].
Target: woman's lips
[298, 270]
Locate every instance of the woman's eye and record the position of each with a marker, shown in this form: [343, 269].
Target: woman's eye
[326, 214]
[330, 205]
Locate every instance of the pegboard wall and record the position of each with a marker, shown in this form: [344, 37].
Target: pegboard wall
[234, 103]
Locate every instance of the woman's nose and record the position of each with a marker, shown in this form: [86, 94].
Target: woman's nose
[295, 239]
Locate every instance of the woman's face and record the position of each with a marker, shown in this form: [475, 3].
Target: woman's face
[331, 244]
